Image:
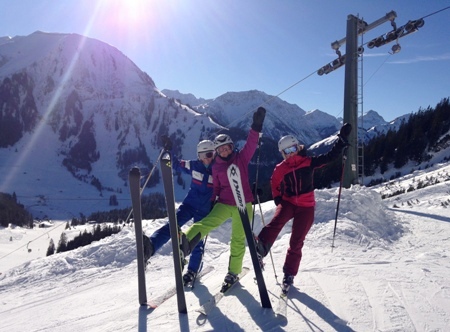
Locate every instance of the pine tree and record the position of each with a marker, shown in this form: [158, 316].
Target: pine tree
[51, 248]
[62, 244]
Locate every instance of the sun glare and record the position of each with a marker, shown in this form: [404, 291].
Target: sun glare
[126, 14]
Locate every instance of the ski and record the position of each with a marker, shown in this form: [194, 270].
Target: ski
[234, 177]
[134, 178]
[281, 309]
[157, 301]
[167, 177]
[206, 308]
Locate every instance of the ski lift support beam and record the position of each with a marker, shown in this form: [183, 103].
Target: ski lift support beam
[364, 27]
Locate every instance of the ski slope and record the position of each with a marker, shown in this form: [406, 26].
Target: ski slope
[389, 271]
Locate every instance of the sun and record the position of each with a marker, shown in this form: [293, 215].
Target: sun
[130, 11]
[126, 14]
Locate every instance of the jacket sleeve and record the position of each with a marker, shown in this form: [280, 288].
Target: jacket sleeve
[275, 182]
[250, 146]
[182, 165]
[331, 155]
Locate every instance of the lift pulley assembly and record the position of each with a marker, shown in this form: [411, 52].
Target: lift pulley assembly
[394, 35]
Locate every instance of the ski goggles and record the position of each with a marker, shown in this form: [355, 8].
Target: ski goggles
[290, 149]
[207, 154]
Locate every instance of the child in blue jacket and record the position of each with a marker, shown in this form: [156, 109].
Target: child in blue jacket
[196, 205]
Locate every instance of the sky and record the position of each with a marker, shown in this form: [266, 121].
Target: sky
[208, 48]
[389, 271]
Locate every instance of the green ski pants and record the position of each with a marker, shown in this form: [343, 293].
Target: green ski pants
[218, 215]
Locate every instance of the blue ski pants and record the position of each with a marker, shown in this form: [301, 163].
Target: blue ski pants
[162, 235]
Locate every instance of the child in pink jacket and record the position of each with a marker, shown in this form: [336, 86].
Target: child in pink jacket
[225, 206]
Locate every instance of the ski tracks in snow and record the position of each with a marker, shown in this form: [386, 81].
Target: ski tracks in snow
[380, 289]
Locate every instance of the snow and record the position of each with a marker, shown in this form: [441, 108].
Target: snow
[389, 271]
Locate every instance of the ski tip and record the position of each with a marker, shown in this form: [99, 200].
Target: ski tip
[148, 306]
[135, 171]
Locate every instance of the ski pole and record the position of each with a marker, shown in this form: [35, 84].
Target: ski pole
[256, 176]
[270, 250]
[344, 158]
[146, 181]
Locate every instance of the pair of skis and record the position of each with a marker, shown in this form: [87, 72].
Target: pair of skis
[134, 179]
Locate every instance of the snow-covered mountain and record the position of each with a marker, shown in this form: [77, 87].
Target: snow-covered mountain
[234, 109]
[184, 98]
[370, 119]
[310, 127]
[371, 124]
[76, 112]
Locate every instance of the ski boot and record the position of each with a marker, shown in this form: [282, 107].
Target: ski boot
[230, 280]
[288, 280]
[260, 251]
[189, 277]
[184, 248]
[149, 249]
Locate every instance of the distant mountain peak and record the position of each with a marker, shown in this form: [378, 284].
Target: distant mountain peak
[371, 119]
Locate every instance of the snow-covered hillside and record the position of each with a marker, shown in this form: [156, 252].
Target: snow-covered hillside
[388, 272]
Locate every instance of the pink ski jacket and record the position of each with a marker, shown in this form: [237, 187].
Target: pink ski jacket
[222, 188]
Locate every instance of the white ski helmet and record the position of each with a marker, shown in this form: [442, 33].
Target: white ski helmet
[222, 139]
[205, 146]
[286, 142]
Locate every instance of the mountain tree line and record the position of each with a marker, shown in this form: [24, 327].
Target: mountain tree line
[424, 132]
[153, 207]
[12, 212]
[99, 232]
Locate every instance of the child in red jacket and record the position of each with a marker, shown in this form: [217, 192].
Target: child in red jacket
[293, 194]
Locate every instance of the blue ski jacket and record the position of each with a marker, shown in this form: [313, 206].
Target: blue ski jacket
[201, 189]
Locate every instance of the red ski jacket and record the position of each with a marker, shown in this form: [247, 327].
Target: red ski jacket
[292, 179]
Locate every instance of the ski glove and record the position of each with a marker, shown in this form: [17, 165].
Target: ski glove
[345, 131]
[258, 119]
[256, 191]
[277, 200]
[167, 143]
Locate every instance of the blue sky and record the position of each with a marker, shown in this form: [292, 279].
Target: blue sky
[208, 47]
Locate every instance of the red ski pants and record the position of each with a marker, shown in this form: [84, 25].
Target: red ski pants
[303, 220]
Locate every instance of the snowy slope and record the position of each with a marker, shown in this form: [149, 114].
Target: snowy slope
[388, 272]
